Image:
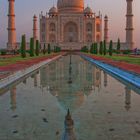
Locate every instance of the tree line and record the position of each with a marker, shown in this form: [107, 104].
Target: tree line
[35, 48]
[101, 48]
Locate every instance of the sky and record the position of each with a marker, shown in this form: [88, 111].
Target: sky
[25, 9]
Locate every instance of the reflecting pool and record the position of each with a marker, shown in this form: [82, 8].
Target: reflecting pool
[103, 107]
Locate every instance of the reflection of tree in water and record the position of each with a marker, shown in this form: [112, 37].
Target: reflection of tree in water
[79, 72]
[13, 98]
[105, 79]
[127, 98]
[97, 77]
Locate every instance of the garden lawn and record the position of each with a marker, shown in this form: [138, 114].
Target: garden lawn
[127, 63]
[15, 59]
[128, 59]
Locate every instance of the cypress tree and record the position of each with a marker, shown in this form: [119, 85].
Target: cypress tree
[97, 48]
[49, 49]
[31, 47]
[85, 49]
[92, 48]
[118, 46]
[57, 49]
[111, 48]
[37, 48]
[101, 48]
[104, 47]
[23, 46]
[44, 49]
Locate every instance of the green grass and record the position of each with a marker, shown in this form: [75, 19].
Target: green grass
[128, 59]
[13, 60]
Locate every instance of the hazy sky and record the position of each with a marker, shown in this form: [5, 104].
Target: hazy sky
[25, 9]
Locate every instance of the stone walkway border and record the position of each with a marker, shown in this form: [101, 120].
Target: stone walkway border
[19, 74]
[129, 77]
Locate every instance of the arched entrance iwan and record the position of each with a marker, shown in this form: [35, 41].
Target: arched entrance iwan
[71, 32]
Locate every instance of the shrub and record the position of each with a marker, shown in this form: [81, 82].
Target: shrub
[23, 46]
[85, 49]
[111, 48]
[3, 52]
[37, 48]
[96, 48]
[104, 50]
[49, 49]
[31, 47]
[101, 48]
[118, 46]
[126, 51]
[57, 49]
[92, 48]
[44, 49]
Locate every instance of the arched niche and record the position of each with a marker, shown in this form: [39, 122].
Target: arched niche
[52, 38]
[71, 32]
[89, 27]
[89, 38]
[52, 27]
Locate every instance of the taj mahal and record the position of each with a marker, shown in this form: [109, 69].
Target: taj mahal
[71, 25]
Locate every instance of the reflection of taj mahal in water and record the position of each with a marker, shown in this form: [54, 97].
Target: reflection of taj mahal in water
[70, 84]
[69, 78]
[70, 25]
[55, 77]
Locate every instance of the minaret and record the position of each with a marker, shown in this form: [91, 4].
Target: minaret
[35, 28]
[11, 44]
[129, 25]
[106, 29]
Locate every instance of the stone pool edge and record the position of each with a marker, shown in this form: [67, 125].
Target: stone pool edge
[125, 75]
[21, 73]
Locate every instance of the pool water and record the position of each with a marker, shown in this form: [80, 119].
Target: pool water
[102, 107]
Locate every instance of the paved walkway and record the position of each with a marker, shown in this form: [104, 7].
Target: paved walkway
[10, 69]
[120, 64]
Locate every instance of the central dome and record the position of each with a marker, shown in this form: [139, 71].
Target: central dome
[70, 5]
